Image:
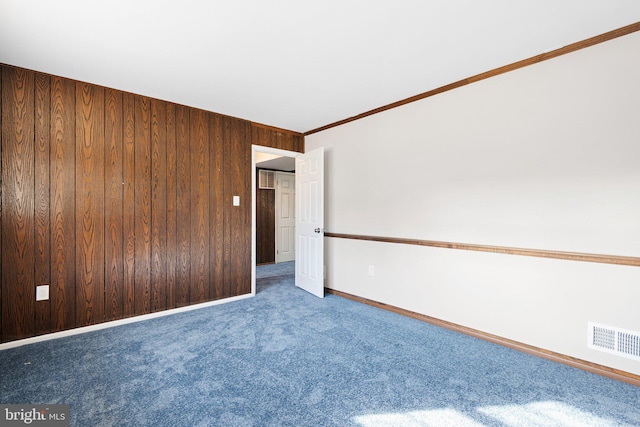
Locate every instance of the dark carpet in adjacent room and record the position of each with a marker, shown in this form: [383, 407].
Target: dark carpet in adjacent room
[287, 358]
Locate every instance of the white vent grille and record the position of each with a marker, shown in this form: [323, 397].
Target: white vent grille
[614, 340]
[267, 180]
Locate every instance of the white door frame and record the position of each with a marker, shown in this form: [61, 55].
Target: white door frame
[254, 150]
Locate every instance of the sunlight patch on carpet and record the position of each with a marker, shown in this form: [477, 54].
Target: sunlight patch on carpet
[536, 414]
[544, 414]
[433, 418]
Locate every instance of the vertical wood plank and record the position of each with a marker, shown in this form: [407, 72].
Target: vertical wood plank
[62, 205]
[299, 144]
[216, 191]
[129, 202]
[246, 147]
[114, 199]
[158, 205]
[241, 218]
[89, 204]
[265, 220]
[257, 136]
[172, 217]
[183, 207]
[18, 225]
[142, 197]
[236, 219]
[42, 214]
[199, 143]
[227, 194]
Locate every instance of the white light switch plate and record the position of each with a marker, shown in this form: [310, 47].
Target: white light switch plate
[42, 293]
[236, 200]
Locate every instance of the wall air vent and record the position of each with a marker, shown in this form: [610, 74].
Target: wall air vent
[614, 340]
[267, 180]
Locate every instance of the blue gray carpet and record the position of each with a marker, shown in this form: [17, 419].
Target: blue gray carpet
[275, 270]
[287, 358]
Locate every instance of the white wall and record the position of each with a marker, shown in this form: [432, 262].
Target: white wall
[545, 157]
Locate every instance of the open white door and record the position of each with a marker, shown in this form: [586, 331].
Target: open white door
[310, 221]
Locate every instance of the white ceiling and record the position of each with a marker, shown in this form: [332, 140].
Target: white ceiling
[293, 64]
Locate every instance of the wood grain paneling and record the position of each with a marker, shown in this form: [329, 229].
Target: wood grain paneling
[18, 197]
[142, 205]
[216, 205]
[240, 215]
[129, 202]
[89, 204]
[42, 213]
[62, 195]
[183, 207]
[172, 213]
[265, 224]
[245, 205]
[277, 138]
[122, 203]
[158, 205]
[199, 149]
[227, 194]
[114, 199]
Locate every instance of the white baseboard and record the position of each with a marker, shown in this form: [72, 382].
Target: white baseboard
[119, 322]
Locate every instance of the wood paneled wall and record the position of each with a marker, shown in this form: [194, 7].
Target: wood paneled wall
[121, 203]
[265, 224]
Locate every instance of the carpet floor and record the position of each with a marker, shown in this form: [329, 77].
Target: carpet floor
[287, 358]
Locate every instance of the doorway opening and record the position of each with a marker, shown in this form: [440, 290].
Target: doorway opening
[272, 235]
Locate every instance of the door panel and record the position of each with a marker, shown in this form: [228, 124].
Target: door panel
[310, 221]
[285, 216]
